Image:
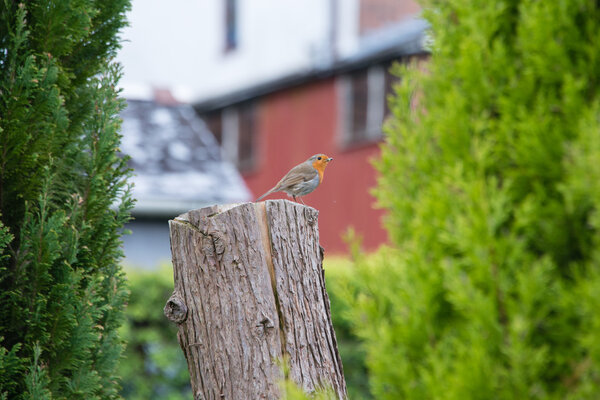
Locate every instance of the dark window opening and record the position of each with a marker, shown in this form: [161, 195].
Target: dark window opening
[366, 93]
[360, 94]
[231, 24]
[247, 136]
[214, 122]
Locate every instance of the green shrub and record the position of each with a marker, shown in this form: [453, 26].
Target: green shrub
[491, 184]
[63, 200]
[340, 276]
[153, 364]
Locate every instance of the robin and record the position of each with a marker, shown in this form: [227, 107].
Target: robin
[303, 178]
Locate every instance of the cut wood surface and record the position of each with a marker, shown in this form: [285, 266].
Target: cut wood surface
[249, 293]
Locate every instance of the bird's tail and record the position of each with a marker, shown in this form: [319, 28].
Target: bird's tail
[266, 194]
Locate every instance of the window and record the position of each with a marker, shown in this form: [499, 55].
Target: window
[359, 92]
[214, 122]
[362, 104]
[231, 25]
[246, 139]
[235, 129]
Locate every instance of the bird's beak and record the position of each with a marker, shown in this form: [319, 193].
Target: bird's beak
[330, 159]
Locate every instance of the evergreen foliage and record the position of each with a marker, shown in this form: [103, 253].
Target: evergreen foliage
[339, 274]
[63, 199]
[491, 178]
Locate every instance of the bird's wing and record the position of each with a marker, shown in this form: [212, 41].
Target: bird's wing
[300, 173]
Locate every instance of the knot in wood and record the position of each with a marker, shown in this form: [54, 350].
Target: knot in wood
[265, 323]
[175, 309]
[311, 215]
[208, 247]
[218, 242]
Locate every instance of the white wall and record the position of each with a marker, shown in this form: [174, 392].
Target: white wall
[179, 44]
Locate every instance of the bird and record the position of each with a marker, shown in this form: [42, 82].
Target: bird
[303, 178]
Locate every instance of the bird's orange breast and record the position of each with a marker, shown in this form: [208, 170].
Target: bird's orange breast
[320, 167]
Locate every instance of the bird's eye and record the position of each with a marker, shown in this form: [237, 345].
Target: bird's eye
[318, 158]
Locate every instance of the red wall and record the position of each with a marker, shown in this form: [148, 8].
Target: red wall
[293, 125]
[376, 14]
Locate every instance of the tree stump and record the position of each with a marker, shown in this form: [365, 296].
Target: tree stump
[250, 292]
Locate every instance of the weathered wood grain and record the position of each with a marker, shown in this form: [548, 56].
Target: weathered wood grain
[297, 258]
[249, 290]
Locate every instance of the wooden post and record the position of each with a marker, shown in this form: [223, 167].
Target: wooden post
[249, 292]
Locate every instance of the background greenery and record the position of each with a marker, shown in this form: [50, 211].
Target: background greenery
[153, 364]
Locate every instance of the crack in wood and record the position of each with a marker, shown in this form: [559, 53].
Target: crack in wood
[261, 210]
[188, 224]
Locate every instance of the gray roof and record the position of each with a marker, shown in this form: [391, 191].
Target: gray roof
[176, 160]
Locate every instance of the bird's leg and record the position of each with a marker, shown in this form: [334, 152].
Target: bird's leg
[294, 197]
[302, 201]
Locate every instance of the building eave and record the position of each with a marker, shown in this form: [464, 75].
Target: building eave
[408, 42]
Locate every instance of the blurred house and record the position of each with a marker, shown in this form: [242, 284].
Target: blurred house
[277, 81]
[177, 167]
[333, 103]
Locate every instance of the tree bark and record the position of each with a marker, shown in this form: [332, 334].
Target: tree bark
[250, 292]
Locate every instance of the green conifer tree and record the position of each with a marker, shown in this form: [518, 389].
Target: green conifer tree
[64, 199]
[491, 178]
